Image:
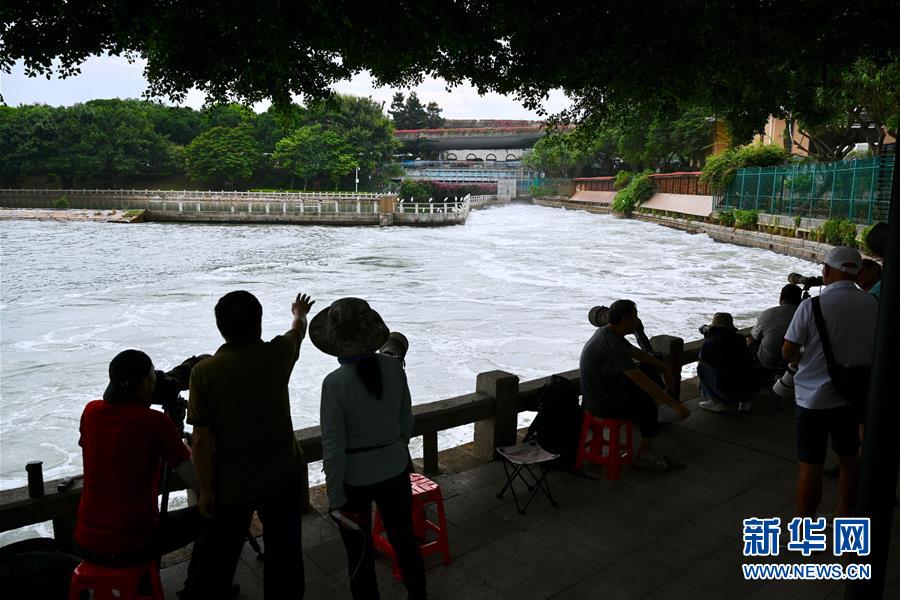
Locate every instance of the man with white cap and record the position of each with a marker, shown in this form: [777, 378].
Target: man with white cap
[850, 317]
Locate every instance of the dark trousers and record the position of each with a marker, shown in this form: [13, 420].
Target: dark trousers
[176, 529]
[637, 406]
[394, 500]
[222, 538]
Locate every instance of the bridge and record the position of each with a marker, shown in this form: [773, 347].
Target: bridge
[486, 140]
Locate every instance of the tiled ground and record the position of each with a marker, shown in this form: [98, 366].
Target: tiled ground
[650, 535]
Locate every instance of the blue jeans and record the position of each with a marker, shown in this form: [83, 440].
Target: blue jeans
[710, 389]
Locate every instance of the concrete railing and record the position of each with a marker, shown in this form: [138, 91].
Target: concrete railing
[494, 407]
[180, 194]
[333, 205]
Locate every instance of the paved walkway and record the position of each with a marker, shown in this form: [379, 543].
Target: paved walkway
[650, 535]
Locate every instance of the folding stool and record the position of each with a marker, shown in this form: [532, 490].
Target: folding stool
[518, 462]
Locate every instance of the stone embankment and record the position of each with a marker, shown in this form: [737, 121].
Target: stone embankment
[74, 214]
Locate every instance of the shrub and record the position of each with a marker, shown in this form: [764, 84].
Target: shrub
[726, 218]
[638, 191]
[622, 179]
[416, 190]
[62, 202]
[862, 239]
[746, 219]
[544, 190]
[719, 170]
[762, 155]
[839, 232]
[423, 189]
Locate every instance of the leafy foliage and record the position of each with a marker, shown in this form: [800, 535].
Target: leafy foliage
[410, 113]
[105, 143]
[862, 105]
[638, 191]
[223, 157]
[559, 155]
[422, 190]
[313, 151]
[746, 219]
[839, 232]
[622, 179]
[727, 218]
[720, 168]
[743, 62]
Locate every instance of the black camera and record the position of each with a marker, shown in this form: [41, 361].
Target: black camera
[704, 329]
[169, 386]
[397, 346]
[806, 282]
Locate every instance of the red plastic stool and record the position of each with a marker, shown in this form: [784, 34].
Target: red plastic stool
[605, 446]
[115, 583]
[424, 492]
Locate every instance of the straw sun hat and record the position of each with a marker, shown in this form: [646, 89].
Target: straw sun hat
[349, 327]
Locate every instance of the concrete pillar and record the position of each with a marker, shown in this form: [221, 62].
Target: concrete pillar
[500, 430]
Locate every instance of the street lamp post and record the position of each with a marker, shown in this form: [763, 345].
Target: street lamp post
[356, 181]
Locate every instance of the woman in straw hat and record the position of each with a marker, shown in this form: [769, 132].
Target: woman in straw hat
[725, 368]
[366, 420]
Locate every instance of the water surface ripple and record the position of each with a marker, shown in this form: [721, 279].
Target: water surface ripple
[508, 290]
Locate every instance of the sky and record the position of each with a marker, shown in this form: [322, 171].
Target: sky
[114, 77]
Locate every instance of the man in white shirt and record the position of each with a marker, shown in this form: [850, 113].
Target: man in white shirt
[850, 317]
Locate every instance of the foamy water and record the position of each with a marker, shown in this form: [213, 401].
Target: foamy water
[509, 290]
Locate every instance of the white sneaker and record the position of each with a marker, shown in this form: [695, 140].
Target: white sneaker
[745, 406]
[713, 405]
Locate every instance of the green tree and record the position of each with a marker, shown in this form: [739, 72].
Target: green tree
[224, 157]
[312, 151]
[744, 61]
[410, 113]
[229, 114]
[361, 123]
[558, 155]
[179, 124]
[861, 108]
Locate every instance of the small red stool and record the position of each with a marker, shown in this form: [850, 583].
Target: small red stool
[115, 583]
[610, 452]
[424, 492]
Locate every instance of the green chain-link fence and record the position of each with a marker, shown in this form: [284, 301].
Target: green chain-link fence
[856, 189]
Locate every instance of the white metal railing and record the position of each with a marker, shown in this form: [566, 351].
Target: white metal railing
[191, 194]
[479, 201]
[457, 205]
[335, 205]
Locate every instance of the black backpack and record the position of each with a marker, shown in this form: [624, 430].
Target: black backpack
[557, 425]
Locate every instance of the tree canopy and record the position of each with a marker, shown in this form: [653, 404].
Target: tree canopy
[742, 60]
[410, 113]
[135, 142]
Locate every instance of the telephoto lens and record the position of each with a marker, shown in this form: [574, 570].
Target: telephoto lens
[397, 346]
[599, 316]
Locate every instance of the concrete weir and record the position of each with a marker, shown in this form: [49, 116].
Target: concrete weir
[328, 208]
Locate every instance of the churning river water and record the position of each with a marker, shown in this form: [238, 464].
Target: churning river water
[509, 290]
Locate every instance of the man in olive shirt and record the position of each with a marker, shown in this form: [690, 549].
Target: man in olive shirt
[245, 452]
[613, 385]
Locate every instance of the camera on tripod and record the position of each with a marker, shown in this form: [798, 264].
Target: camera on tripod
[169, 386]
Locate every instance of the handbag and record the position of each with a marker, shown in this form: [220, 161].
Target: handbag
[851, 383]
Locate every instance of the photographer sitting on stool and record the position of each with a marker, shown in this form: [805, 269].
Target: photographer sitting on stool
[613, 385]
[725, 368]
[124, 445]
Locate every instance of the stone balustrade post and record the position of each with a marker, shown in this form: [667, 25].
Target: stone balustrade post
[500, 430]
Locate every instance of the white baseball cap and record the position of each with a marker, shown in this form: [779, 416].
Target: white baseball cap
[844, 258]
